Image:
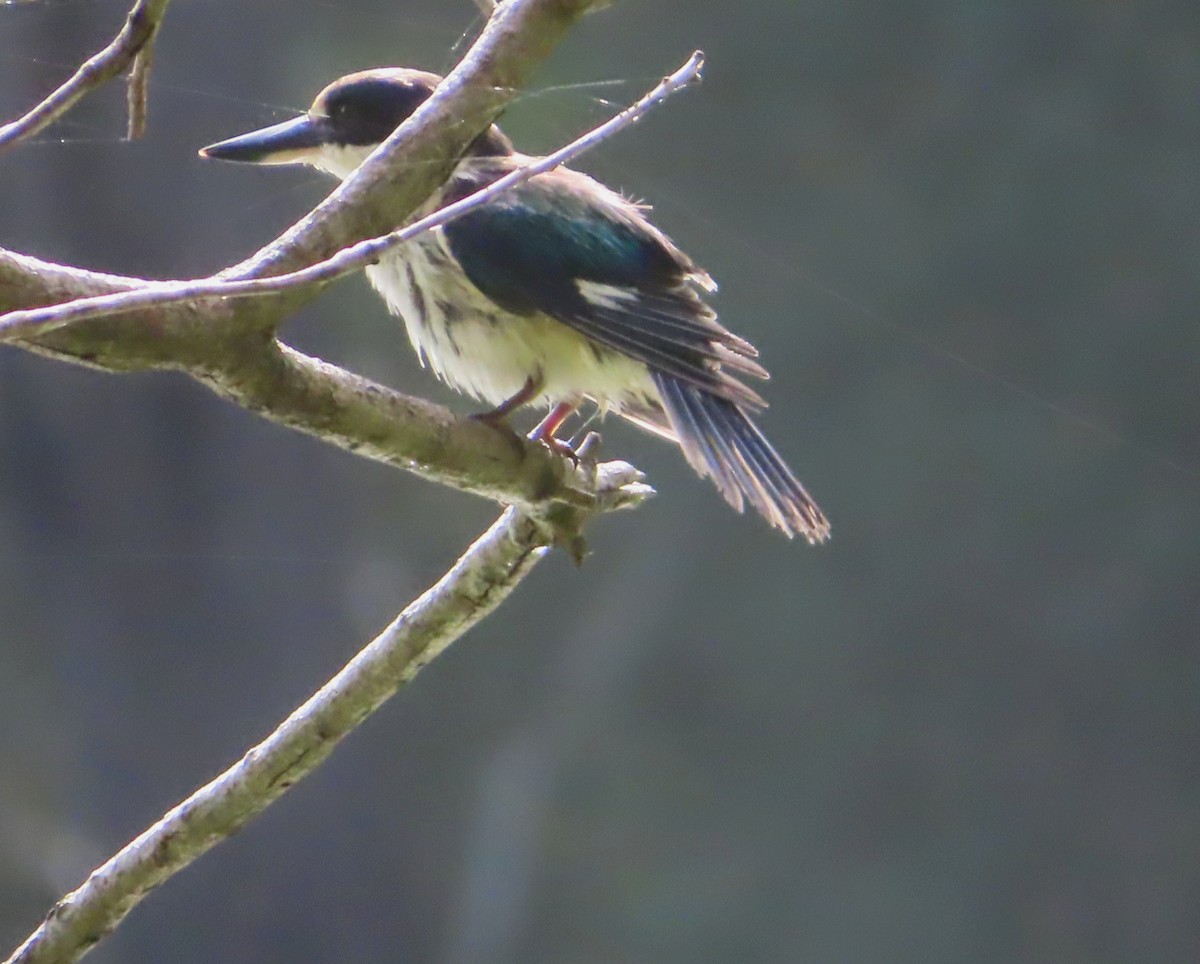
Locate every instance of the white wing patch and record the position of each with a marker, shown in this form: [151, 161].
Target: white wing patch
[605, 296]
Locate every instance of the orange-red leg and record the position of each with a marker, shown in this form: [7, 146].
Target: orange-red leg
[552, 423]
[546, 428]
[496, 416]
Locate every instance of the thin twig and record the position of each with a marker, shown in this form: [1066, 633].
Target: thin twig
[36, 321]
[137, 33]
[137, 95]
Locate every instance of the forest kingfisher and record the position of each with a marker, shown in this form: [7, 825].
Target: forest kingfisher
[555, 292]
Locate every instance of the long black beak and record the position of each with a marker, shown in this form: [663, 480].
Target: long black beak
[292, 142]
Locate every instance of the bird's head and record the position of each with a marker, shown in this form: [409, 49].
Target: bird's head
[347, 121]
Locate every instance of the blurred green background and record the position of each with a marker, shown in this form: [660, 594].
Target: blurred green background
[964, 236]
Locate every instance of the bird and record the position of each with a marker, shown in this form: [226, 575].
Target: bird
[556, 292]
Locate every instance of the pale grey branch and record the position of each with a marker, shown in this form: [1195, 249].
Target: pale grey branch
[137, 94]
[131, 45]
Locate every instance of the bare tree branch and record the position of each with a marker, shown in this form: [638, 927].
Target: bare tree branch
[36, 321]
[479, 581]
[131, 45]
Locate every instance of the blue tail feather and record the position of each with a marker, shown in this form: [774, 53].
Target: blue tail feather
[721, 441]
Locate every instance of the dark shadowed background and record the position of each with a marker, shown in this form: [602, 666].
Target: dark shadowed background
[964, 236]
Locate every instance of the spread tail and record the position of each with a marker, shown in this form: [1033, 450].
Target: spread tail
[721, 442]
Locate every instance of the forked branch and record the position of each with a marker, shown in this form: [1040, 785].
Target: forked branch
[132, 46]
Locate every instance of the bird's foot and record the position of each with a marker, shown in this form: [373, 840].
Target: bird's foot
[560, 447]
[548, 426]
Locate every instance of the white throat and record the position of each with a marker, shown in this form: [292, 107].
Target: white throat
[338, 160]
